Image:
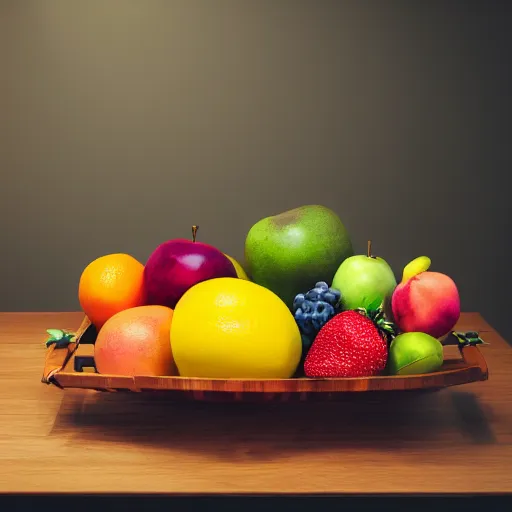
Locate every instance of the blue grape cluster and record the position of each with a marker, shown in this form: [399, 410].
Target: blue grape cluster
[312, 310]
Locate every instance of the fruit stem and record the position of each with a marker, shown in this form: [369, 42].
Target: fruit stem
[194, 232]
[369, 250]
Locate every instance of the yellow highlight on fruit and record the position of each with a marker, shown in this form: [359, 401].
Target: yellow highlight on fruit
[231, 328]
[415, 267]
[240, 272]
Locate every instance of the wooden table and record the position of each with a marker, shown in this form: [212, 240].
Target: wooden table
[458, 440]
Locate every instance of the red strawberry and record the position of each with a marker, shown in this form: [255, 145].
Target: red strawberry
[350, 344]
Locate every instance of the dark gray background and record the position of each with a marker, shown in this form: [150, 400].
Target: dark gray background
[123, 123]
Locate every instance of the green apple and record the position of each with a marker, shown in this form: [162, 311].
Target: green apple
[290, 252]
[365, 281]
[413, 353]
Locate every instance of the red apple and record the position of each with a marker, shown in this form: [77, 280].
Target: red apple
[177, 265]
[424, 301]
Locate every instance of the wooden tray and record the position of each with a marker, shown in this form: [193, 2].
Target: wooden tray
[73, 367]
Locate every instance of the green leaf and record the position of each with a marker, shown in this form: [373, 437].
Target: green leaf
[375, 305]
[469, 338]
[378, 317]
[56, 334]
[59, 337]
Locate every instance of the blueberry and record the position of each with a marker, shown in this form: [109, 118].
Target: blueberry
[329, 297]
[313, 309]
[303, 320]
[298, 301]
[307, 306]
[332, 296]
[323, 312]
[335, 292]
[314, 294]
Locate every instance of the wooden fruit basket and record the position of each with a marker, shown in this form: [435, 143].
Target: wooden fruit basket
[73, 367]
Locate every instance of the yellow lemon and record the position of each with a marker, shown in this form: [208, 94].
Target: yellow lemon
[240, 272]
[233, 328]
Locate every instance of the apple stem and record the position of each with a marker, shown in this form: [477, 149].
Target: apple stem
[194, 232]
[369, 248]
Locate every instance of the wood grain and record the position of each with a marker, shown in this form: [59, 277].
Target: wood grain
[458, 440]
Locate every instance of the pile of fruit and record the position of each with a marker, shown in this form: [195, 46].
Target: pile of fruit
[305, 306]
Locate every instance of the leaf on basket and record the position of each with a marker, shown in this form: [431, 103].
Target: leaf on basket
[60, 338]
[468, 338]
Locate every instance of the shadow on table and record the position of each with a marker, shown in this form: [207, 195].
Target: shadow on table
[267, 431]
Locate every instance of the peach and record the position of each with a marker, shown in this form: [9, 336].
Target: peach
[135, 342]
[425, 301]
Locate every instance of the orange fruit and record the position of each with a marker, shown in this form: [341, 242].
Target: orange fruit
[135, 342]
[110, 284]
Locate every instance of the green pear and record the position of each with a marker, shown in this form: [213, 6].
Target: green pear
[290, 252]
[365, 281]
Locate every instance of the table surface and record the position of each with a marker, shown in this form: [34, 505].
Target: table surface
[458, 440]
